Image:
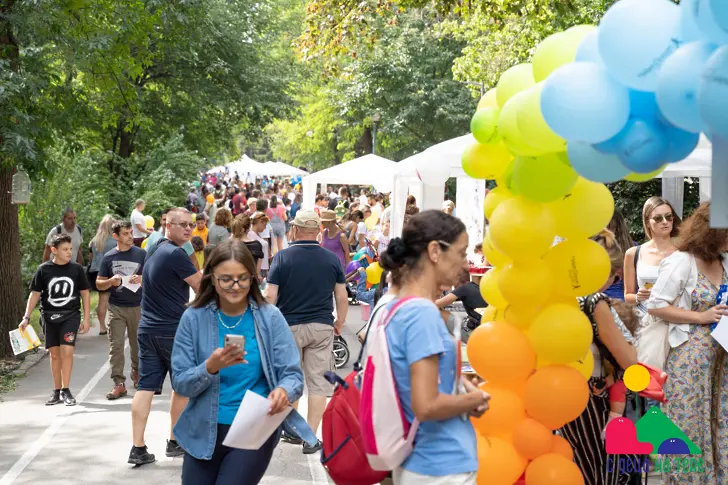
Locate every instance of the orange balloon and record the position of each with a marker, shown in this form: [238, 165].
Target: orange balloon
[498, 462]
[505, 411]
[556, 395]
[501, 354]
[532, 439]
[560, 446]
[553, 469]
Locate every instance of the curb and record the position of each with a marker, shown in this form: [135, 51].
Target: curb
[30, 361]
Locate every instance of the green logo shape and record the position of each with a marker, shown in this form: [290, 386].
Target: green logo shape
[656, 428]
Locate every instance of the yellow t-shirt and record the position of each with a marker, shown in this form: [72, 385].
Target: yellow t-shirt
[200, 255]
[203, 234]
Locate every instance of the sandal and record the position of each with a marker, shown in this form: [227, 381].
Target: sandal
[104, 332]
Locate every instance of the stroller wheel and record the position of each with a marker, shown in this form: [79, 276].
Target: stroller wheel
[341, 352]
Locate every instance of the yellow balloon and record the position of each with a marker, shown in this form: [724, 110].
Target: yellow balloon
[523, 283]
[644, 177]
[488, 100]
[374, 273]
[495, 197]
[560, 334]
[490, 314]
[492, 256]
[532, 125]
[579, 267]
[508, 127]
[584, 211]
[371, 221]
[149, 221]
[545, 178]
[516, 79]
[144, 243]
[520, 316]
[557, 50]
[522, 229]
[490, 291]
[481, 161]
[585, 365]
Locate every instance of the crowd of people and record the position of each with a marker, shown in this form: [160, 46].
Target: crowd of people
[244, 275]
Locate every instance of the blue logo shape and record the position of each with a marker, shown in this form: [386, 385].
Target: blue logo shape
[674, 446]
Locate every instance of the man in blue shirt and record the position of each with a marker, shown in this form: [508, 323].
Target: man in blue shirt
[301, 282]
[121, 273]
[168, 276]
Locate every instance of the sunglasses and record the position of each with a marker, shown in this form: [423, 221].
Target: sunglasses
[183, 224]
[659, 218]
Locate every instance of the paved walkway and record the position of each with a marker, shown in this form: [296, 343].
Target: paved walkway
[89, 443]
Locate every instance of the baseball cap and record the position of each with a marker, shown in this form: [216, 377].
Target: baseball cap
[307, 218]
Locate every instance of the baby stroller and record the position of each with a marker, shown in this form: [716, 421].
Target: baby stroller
[341, 352]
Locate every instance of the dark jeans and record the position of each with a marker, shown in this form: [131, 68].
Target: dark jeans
[155, 360]
[229, 466]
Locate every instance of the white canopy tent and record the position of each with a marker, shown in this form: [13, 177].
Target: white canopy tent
[280, 169]
[366, 170]
[246, 165]
[218, 169]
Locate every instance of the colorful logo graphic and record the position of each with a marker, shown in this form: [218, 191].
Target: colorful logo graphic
[654, 433]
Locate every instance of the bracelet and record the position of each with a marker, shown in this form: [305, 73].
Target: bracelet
[25, 318]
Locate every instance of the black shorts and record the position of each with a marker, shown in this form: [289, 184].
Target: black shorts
[62, 332]
[155, 361]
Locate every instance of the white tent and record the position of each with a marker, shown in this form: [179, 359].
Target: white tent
[246, 165]
[218, 169]
[280, 169]
[367, 170]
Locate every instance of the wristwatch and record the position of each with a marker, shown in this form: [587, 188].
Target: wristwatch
[25, 318]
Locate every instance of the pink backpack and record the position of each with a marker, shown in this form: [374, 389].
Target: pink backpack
[387, 436]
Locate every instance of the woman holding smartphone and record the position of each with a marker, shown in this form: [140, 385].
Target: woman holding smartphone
[260, 356]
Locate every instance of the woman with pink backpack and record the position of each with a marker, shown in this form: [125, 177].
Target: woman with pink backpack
[425, 364]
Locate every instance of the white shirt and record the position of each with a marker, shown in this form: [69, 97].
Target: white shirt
[363, 200]
[361, 228]
[252, 235]
[137, 218]
[333, 195]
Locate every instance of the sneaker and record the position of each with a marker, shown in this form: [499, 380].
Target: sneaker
[174, 449]
[68, 397]
[310, 450]
[140, 456]
[55, 398]
[135, 378]
[118, 391]
[287, 438]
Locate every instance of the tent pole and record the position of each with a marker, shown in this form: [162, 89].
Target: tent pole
[719, 201]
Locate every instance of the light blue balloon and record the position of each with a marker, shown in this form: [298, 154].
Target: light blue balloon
[595, 166]
[642, 104]
[677, 85]
[582, 102]
[720, 13]
[635, 38]
[588, 50]
[713, 93]
[700, 21]
[643, 145]
[681, 143]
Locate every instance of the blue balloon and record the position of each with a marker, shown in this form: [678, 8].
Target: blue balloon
[595, 166]
[677, 85]
[582, 102]
[713, 93]
[642, 104]
[681, 143]
[720, 13]
[700, 21]
[588, 50]
[635, 37]
[643, 145]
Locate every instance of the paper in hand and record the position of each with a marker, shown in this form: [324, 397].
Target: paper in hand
[252, 425]
[125, 283]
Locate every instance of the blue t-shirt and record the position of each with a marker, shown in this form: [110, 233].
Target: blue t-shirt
[445, 447]
[237, 379]
[306, 275]
[126, 263]
[616, 291]
[165, 292]
[154, 238]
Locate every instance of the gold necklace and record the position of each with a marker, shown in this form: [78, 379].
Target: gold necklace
[229, 327]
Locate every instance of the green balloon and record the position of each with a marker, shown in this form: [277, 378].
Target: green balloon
[543, 179]
[508, 128]
[484, 125]
[513, 81]
[532, 125]
[557, 50]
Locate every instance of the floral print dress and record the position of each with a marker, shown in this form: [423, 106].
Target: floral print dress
[697, 394]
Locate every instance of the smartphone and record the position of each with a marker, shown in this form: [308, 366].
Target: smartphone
[238, 340]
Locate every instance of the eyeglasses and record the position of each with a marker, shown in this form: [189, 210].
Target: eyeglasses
[227, 282]
[658, 218]
[183, 224]
[444, 243]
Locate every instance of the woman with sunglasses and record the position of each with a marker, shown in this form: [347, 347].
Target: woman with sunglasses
[641, 263]
[215, 376]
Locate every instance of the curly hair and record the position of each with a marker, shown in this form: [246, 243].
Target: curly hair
[699, 239]
[240, 226]
[223, 218]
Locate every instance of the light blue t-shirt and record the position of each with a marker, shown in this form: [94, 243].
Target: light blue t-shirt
[445, 447]
[237, 379]
[154, 238]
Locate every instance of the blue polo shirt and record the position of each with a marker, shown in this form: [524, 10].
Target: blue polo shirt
[306, 275]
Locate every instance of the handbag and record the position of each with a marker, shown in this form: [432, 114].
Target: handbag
[652, 340]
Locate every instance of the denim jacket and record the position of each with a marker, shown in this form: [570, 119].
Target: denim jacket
[197, 337]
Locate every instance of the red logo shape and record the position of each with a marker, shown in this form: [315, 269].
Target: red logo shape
[69, 337]
[621, 439]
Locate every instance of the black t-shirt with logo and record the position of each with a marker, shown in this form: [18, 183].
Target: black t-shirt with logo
[60, 289]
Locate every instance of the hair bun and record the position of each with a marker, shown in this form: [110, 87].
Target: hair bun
[394, 256]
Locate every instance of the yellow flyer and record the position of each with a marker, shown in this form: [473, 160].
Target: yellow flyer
[24, 340]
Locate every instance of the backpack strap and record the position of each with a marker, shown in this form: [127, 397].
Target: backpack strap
[59, 229]
[636, 259]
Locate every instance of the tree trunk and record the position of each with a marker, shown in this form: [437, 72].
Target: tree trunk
[126, 144]
[11, 290]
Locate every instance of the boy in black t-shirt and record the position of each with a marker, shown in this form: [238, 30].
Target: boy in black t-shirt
[59, 284]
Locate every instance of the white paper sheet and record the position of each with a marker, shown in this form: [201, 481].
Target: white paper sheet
[125, 282]
[252, 426]
[720, 334]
